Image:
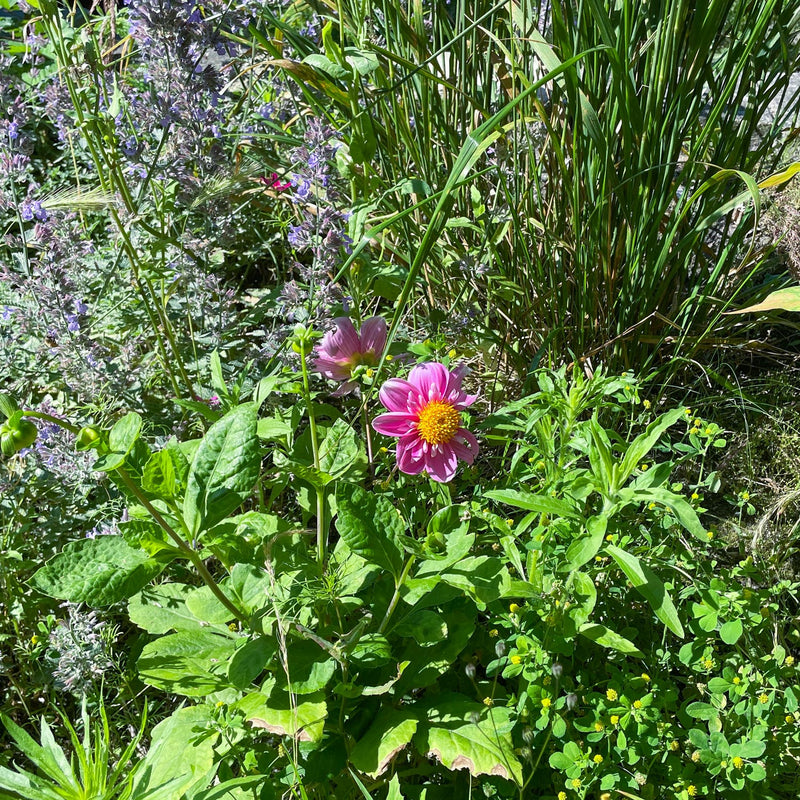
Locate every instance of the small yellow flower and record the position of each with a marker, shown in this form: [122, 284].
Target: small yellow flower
[34, 639]
[546, 701]
[738, 762]
[389, 357]
[709, 535]
[494, 632]
[708, 431]
[598, 726]
[789, 719]
[652, 506]
[516, 660]
[789, 661]
[723, 764]
[694, 430]
[562, 796]
[232, 626]
[576, 783]
[614, 719]
[737, 680]
[451, 354]
[598, 759]
[646, 403]
[645, 677]
[610, 537]
[687, 411]
[691, 790]
[697, 422]
[696, 756]
[674, 745]
[370, 373]
[612, 695]
[637, 704]
[644, 467]
[763, 698]
[708, 663]
[695, 496]
[384, 449]
[547, 680]
[747, 593]
[220, 703]
[487, 701]
[510, 522]
[513, 608]
[745, 495]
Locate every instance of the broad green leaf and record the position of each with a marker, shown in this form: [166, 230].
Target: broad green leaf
[371, 527]
[310, 668]
[193, 664]
[649, 585]
[586, 547]
[224, 470]
[339, 449]
[750, 748]
[97, 572]
[532, 502]
[483, 748]
[782, 300]
[608, 638]
[702, 711]
[160, 609]
[159, 475]
[425, 627]
[284, 715]
[125, 432]
[391, 731]
[731, 631]
[394, 789]
[181, 754]
[248, 662]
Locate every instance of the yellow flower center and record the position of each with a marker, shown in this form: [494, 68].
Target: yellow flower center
[438, 422]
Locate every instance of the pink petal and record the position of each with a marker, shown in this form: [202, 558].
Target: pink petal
[464, 445]
[410, 458]
[455, 394]
[331, 369]
[373, 335]
[395, 394]
[431, 380]
[345, 388]
[441, 466]
[342, 343]
[395, 423]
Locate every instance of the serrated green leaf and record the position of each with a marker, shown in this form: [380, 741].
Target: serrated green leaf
[371, 527]
[160, 609]
[158, 477]
[224, 470]
[339, 449]
[98, 572]
[390, 732]
[650, 586]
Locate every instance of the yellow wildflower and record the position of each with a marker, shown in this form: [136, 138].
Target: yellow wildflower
[674, 745]
[708, 663]
[452, 353]
[763, 698]
[546, 701]
[645, 677]
[691, 790]
[598, 726]
[709, 535]
[737, 680]
[652, 506]
[644, 467]
[612, 695]
[789, 661]
[614, 719]
[494, 632]
[789, 719]
[513, 608]
[696, 756]
[646, 403]
[516, 660]
[576, 783]
[562, 796]
[510, 522]
[695, 496]
[598, 759]
[637, 704]
[738, 762]
[487, 701]
[687, 411]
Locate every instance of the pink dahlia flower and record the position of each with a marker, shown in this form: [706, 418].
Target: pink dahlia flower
[342, 350]
[424, 412]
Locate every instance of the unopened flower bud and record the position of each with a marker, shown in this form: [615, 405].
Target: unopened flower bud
[557, 669]
[501, 649]
[572, 701]
[88, 438]
[528, 735]
[470, 671]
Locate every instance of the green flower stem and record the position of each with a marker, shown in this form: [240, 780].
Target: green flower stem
[67, 426]
[320, 490]
[396, 596]
[184, 547]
